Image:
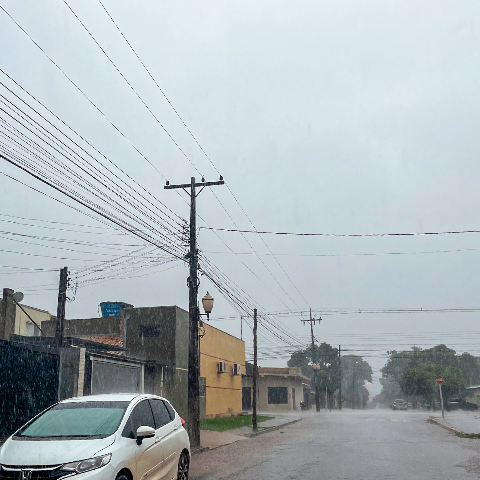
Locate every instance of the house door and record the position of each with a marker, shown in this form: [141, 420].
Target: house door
[293, 399]
[246, 398]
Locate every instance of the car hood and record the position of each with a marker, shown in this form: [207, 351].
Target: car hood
[51, 452]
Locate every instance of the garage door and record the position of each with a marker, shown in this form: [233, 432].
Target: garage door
[113, 377]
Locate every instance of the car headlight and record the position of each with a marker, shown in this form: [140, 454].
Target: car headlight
[87, 465]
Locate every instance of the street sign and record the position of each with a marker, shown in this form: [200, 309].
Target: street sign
[439, 380]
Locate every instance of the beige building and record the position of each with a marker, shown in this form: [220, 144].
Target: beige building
[279, 389]
[24, 326]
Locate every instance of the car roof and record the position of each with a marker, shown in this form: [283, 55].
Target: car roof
[108, 397]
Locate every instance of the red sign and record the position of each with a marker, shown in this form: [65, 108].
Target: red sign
[439, 380]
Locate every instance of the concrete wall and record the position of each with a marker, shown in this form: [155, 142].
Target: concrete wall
[87, 327]
[223, 390]
[159, 335]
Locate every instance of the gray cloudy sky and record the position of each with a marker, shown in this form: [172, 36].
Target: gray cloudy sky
[333, 117]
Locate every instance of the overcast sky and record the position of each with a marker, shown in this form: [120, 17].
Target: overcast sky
[329, 117]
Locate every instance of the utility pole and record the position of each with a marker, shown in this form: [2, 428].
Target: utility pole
[193, 312]
[62, 300]
[255, 371]
[353, 388]
[317, 392]
[340, 373]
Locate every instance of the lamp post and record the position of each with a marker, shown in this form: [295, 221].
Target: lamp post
[207, 303]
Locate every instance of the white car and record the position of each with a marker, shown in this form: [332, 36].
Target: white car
[100, 437]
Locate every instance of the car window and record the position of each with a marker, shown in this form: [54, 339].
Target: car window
[160, 413]
[140, 416]
[77, 419]
[170, 409]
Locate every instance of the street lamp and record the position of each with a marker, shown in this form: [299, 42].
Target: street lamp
[207, 302]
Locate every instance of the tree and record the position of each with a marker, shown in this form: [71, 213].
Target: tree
[439, 355]
[302, 359]
[419, 380]
[353, 368]
[355, 372]
[470, 368]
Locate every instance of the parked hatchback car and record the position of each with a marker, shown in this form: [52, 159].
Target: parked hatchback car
[100, 437]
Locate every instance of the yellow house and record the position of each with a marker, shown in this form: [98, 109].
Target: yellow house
[222, 362]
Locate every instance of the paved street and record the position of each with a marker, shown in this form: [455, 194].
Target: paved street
[368, 444]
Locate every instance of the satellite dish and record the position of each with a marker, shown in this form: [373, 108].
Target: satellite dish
[18, 296]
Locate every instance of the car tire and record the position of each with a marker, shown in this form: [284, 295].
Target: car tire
[121, 477]
[183, 465]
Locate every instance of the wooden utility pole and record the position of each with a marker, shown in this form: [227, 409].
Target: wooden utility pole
[62, 300]
[340, 374]
[193, 312]
[317, 391]
[255, 371]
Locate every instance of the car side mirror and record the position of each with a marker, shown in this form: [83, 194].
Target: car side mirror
[144, 432]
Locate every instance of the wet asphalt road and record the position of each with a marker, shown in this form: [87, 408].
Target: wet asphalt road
[368, 444]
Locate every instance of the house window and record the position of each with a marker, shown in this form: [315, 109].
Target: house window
[277, 395]
[31, 330]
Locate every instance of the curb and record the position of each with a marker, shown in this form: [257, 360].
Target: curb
[198, 450]
[271, 429]
[440, 424]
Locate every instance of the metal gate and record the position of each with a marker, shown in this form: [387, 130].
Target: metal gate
[246, 398]
[28, 384]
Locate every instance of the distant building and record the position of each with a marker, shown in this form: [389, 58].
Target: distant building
[15, 321]
[473, 395]
[278, 389]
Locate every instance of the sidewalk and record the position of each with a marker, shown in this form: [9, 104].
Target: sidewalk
[464, 422]
[210, 439]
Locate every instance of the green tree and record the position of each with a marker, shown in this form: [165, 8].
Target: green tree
[355, 372]
[470, 368]
[419, 380]
[440, 355]
[302, 359]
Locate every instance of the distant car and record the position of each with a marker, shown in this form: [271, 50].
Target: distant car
[399, 404]
[100, 437]
[460, 404]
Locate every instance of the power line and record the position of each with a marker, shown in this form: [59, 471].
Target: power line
[92, 208]
[350, 254]
[452, 232]
[196, 141]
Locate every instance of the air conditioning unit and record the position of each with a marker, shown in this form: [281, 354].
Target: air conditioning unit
[222, 367]
[237, 369]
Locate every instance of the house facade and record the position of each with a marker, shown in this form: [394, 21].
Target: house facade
[15, 321]
[278, 389]
[222, 362]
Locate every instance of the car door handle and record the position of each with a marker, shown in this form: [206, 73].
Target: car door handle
[157, 439]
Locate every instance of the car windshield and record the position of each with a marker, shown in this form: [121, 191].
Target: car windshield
[79, 419]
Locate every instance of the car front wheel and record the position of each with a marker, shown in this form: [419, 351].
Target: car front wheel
[183, 465]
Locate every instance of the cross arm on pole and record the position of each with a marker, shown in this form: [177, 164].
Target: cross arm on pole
[200, 184]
